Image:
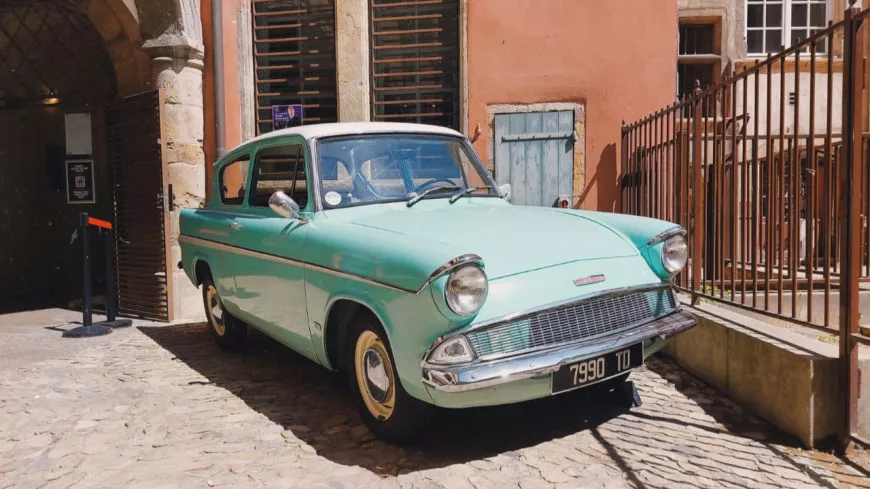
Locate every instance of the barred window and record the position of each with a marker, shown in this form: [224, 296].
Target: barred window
[697, 58]
[294, 59]
[415, 59]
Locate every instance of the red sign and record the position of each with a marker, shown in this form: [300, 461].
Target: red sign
[592, 279]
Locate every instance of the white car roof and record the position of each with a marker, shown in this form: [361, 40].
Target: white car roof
[350, 128]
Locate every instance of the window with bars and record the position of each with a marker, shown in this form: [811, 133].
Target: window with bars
[415, 61]
[774, 24]
[697, 58]
[294, 59]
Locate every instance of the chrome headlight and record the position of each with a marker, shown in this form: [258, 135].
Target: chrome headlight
[466, 290]
[675, 253]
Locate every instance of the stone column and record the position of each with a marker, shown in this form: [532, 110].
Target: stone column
[353, 60]
[178, 72]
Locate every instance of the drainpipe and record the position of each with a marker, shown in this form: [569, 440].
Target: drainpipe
[220, 110]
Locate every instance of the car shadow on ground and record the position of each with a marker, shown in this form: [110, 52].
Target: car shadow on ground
[317, 406]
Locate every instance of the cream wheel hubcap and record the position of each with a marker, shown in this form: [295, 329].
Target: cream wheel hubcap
[215, 310]
[374, 375]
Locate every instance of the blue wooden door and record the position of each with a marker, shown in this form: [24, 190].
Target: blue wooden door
[534, 152]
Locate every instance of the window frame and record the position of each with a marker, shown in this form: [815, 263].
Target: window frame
[310, 205]
[231, 160]
[786, 23]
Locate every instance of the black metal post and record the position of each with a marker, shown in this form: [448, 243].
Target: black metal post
[108, 245]
[84, 236]
[88, 327]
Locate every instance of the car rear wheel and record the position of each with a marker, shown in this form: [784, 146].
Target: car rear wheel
[228, 331]
[389, 412]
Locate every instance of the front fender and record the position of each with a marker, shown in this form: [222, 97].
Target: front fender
[411, 321]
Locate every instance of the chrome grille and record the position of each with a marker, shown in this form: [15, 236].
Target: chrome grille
[592, 318]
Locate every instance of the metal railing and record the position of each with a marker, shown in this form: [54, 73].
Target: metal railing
[764, 170]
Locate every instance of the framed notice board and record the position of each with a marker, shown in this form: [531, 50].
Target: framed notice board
[80, 181]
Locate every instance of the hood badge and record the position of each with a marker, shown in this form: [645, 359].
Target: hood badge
[592, 279]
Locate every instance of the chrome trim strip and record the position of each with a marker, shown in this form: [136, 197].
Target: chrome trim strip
[280, 259]
[450, 265]
[667, 233]
[314, 174]
[547, 307]
[487, 374]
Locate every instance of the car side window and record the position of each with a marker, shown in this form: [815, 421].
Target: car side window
[233, 178]
[280, 168]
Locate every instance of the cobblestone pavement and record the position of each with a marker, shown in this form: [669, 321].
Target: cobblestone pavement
[163, 407]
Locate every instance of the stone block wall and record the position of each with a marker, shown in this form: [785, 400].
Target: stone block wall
[788, 379]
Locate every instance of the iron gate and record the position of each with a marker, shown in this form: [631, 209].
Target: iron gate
[138, 175]
[774, 199]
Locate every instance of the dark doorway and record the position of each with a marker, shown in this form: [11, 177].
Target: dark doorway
[53, 63]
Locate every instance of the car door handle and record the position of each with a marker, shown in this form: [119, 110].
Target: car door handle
[234, 226]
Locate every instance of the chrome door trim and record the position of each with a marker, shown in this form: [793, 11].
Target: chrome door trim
[207, 243]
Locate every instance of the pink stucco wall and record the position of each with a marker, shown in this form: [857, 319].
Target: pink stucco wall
[616, 57]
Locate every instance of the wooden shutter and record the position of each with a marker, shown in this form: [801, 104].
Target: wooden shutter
[294, 59]
[415, 61]
[138, 172]
[534, 152]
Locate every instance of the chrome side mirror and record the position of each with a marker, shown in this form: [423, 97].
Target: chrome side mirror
[505, 191]
[284, 206]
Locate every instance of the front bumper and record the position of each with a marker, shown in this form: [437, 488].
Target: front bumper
[504, 370]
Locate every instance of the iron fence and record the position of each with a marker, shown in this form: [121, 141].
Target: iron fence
[764, 169]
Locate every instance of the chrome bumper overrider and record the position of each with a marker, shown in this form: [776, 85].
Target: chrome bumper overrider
[487, 374]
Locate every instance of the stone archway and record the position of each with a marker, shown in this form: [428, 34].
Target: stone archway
[117, 21]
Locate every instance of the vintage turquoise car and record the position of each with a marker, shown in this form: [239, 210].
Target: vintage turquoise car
[387, 251]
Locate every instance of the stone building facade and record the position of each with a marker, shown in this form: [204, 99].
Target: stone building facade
[458, 63]
[496, 57]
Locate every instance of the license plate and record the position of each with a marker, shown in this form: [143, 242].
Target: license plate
[594, 370]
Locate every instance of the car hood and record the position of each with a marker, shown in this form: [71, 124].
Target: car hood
[511, 239]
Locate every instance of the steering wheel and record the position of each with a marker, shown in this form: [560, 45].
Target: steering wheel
[434, 180]
[368, 185]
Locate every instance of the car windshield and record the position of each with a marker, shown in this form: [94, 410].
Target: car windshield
[387, 168]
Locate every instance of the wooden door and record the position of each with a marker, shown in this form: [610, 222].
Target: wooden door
[534, 152]
[142, 200]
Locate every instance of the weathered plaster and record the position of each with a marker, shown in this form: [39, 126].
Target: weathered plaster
[170, 23]
[247, 104]
[352, 60]
[463, 68]
[579, 128]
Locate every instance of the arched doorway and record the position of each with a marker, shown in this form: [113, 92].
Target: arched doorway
[62, 64]
[117, 83]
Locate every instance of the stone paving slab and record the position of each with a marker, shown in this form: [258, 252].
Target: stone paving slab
[159, 407]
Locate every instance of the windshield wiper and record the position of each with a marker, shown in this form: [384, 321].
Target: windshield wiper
[445, 188]
[468, 191]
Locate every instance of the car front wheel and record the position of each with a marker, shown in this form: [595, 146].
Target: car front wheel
[228, 331]
[389, 412]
